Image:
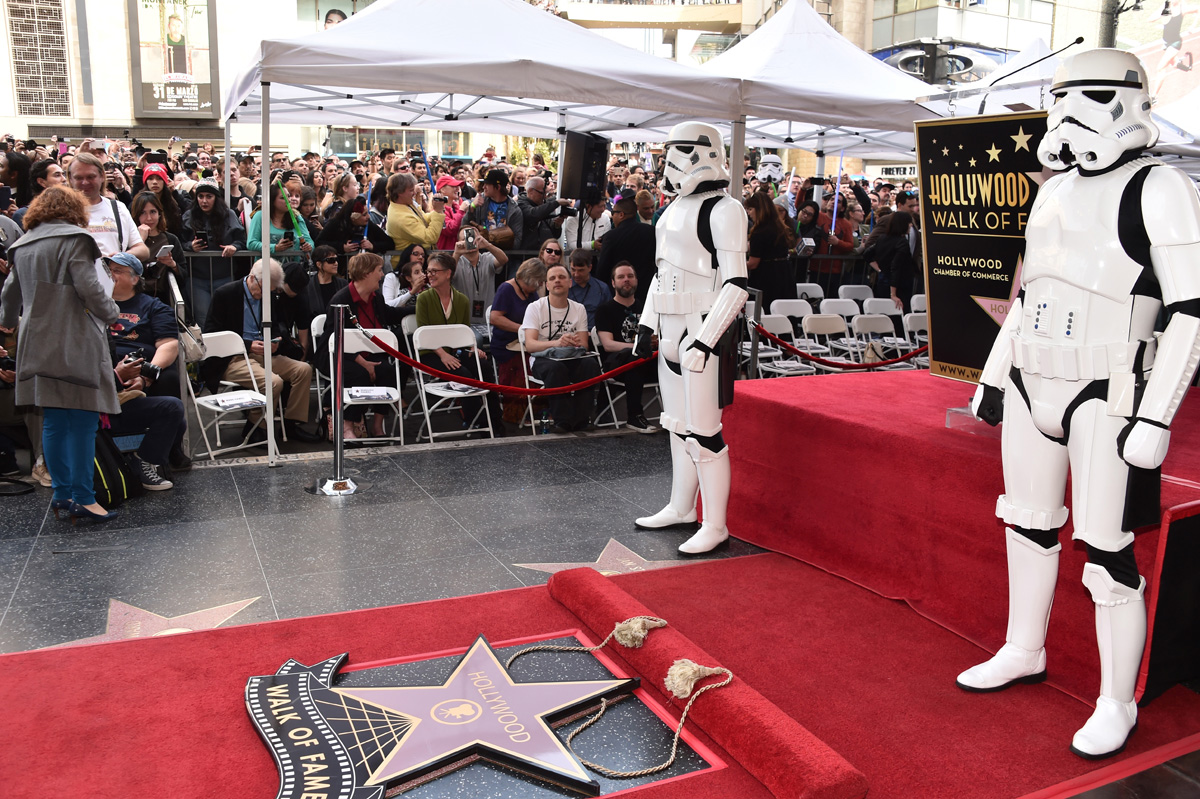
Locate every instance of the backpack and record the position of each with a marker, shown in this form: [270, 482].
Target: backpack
[115, 480]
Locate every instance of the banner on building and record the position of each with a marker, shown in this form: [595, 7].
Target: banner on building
[979, 177]
[173, 57]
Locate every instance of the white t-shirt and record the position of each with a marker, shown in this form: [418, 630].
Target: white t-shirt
[103, 227]
[551, 323]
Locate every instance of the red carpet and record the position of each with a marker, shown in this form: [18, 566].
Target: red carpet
[858, 475]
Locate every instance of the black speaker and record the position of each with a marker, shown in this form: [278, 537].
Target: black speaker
[583, 165]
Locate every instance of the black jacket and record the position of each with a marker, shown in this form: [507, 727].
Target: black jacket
[226, 313]
[536, 220]
[338, 231]
[630, 241]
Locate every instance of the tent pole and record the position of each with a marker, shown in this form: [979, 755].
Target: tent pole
[820, 155]
[228, 158]
[737, 153]
[264, 217]
[562, 142]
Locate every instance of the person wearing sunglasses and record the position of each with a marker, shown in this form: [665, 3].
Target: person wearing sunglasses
[551, 252]
[540, 212]
[325, 282]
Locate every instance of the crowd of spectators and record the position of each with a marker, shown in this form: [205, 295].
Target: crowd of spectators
[479, 242]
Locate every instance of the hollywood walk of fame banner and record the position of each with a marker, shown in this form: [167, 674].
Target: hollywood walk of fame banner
[979, 177]
[362, 733]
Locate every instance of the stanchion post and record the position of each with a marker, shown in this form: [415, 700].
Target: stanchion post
[757, 296]
[339, 485]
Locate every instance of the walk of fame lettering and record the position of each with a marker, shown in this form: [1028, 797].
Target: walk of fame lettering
[357, 742]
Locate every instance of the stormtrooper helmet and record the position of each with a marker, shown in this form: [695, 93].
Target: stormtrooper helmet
[1101, 111]
[770, 168]
[695, 155]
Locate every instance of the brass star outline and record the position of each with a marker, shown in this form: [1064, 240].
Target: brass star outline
[615, 559]
[127, 621]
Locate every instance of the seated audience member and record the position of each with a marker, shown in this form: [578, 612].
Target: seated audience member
[412, 219]
[512, 298]
[166, 251]
[237, 307]
[496, 212]
[556, 336]
[365, 301]
[585, 289]
[475, 275]
[551, 253]
[445, 305]
[144, 353]
[402, 285]
[325, 283]
[617, 326]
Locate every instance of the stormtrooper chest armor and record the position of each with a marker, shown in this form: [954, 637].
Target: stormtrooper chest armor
[684, 265]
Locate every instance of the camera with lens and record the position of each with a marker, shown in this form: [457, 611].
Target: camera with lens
[566, 210]
[147, 370]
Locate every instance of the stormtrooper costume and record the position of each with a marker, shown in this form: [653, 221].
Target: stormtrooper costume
[1080, 379]
[697, 292]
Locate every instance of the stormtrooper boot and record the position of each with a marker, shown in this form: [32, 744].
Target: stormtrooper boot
[681, 509]
[1032, 574]
[1120, 636]
[713, 470]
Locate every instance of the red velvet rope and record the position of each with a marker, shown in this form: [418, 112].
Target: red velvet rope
[518, 390]
[776, 340]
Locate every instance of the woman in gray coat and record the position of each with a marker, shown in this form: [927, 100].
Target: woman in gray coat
[63, 361]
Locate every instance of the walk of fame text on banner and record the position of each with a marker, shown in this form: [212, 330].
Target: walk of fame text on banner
[978, 179]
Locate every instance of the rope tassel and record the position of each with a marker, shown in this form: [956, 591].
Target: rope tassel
[684, 674]
[630, 634]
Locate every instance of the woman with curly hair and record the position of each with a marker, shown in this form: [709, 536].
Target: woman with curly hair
[55, 293]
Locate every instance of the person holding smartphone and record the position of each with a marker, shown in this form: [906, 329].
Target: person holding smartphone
[288, 243]
[165, 248]
[350, 230]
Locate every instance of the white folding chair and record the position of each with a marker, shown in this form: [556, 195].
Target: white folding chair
[226, 344]
[811, 292]
[766, 352]
[356, 341]
[916, 327]
[856, 293]
[824, 328]
[917, 303]
[878, 328]
[883, 305]
[796, 310]
[610, 408]
[786, 365]
[847, 309]
[316, 329]
[530, 382]
[452, 337]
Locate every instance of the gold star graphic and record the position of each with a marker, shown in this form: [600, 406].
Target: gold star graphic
[956, 163]
[945, 151]
[1022, 139]
[971, 162]
[994, 153]
[960, 146]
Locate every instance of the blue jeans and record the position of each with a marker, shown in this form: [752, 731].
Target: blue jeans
[69, 448]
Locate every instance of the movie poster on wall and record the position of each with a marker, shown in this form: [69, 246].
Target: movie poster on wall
[174, 58]
[979, 177]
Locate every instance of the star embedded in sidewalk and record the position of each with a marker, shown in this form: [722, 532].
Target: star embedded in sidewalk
[126, 621]
[1022, 139]
[480, 710]
[994, 153]
[615, 559]
[997, 308]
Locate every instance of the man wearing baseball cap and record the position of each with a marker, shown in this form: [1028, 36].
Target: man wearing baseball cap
[494, 210]
[455, 210]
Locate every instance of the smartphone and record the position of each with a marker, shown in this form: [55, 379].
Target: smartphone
[165, 250]
[469, 238]
[63, 146]
[5, 197]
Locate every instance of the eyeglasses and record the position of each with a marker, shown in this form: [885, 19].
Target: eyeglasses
[431, 269]
[552, 251]
[332, 260]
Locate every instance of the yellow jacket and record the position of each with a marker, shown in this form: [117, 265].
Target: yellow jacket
[408, 225]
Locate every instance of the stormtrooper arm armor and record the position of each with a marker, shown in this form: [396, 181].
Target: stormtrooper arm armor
[1171, 211]
[729, 237]
[988, 402]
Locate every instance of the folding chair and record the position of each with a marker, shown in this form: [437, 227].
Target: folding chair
[452, 337]
[847, 309]
[796, 310]
[883, 305]
[917, 303]
[878, 328]
[610, 407]
[766, 352]
[226, 344]
[916, 326]
[824, 328]
[316, 329]
[356, 341]
[856, 293]
[810, 291]
[784, 366]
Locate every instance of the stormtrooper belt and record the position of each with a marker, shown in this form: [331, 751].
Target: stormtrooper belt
[1071, 362]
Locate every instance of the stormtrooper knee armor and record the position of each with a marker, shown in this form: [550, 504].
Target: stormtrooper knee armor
[1079, 377]
[698, 290]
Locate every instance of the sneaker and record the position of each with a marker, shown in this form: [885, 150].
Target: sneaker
[8, 464]
[151, 481]
[42, 475]
[638, 423]
[179, 460]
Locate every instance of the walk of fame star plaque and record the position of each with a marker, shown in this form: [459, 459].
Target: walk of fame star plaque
[360, 742]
